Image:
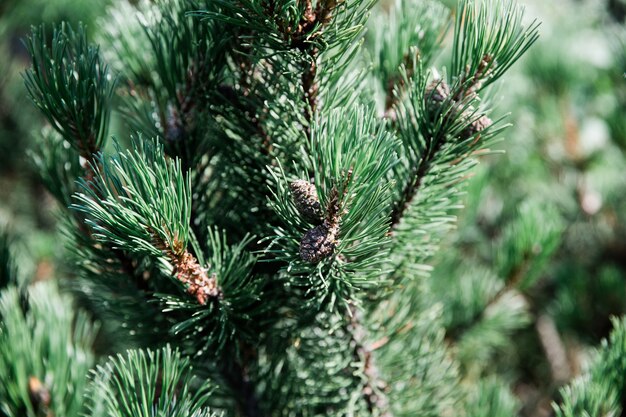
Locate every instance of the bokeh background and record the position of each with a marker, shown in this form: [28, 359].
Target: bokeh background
[562, 175]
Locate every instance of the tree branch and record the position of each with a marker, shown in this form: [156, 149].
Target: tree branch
[412, 187]
[373, 389]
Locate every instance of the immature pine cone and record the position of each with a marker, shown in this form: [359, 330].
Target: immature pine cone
[477, 125]
[318, 243]
[436, 93]
[304, 196]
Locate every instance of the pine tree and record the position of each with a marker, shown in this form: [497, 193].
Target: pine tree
[261, 242]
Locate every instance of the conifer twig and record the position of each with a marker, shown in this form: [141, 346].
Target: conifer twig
[458, 101]
[416, 179]
[311, 19]
[373, 389]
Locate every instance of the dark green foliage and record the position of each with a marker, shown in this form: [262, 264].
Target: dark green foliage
[125, 188]
[312, 372]
[193, 239]
[412, 357]
[147, 383]
[408, 27]
[58, 164]
[71, 85]
[238, 315]
[356, 157]
[138, 201]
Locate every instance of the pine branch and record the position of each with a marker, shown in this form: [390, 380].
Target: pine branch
[137, 205]
[140, 203]
[72, 87]
[190, 57]
[409, 32]
[435, 104]
[350, 158]
[311, 19]
[488, 40]
[417, 177]
[373, 387]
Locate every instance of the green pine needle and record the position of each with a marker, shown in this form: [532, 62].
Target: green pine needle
[350, 156]
[489, 37]
[71, 85]
[602, 390]
[45, 352]
[138, 201]
[145, 383]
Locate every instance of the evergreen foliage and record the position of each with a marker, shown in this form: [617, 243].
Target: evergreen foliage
[601, 390]
[146, 383]
[45, 352]
[71, 86]
[263, 243]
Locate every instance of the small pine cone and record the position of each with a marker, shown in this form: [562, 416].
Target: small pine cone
[317, 244]
[477, 126]
[435, 94]
[304, 196]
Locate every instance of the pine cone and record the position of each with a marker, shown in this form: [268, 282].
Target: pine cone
[318, 243]
[304, 196]
[477, 125]
[436, 93]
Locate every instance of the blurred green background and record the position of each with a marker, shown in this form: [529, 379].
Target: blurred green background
[563, 175]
